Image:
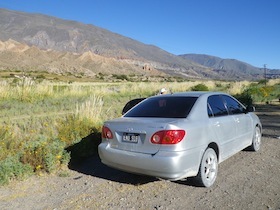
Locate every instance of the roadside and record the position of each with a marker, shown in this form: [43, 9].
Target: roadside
[247, 180]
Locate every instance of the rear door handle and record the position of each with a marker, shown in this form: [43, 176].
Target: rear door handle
[237, 120]
[217, 124]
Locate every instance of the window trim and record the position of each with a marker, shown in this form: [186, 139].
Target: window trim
[223, 102]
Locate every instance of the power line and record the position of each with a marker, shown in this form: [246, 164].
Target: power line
[264, 67]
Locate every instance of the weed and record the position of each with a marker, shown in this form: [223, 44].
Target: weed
[45, 154]
[12, 168]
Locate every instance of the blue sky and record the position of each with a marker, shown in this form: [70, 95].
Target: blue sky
[247, 30]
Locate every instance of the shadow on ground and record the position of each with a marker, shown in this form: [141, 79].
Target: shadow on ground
[270, 118]
[93, 166]
[85, 160]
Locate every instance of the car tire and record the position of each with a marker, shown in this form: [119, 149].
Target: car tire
[208, 169]
[256, 141]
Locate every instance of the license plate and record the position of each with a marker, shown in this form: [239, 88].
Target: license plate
[130, 137]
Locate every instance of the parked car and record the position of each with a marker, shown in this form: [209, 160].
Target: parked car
[180, 135]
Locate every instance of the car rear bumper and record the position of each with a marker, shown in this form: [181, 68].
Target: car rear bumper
[163, 164]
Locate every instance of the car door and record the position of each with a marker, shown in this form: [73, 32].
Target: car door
[242, 120]
[222, 125]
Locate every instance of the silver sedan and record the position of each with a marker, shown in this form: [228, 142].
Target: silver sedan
[180, 135]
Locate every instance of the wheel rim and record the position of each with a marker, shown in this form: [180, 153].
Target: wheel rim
[257, 140]
[210, 167]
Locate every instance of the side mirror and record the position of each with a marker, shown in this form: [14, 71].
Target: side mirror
[131, 104]
[250, 108]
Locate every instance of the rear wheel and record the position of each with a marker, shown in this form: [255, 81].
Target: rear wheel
[208, 169]
[256, 142]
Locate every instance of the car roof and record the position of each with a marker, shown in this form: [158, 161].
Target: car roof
[194, 93]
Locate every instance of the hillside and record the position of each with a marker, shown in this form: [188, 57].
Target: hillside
[230, 68]
[19, 56]
[50, 33]
[44, 43]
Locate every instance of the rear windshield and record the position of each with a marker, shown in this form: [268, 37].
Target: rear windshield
[163, 107]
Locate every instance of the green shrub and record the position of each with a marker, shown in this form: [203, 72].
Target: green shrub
[41, 76]
[12, 168]
[8, 144]
[200, 87]
[262, 93]
[245, 98]
[44, 154]
[262, 82]
[71, 130]
[121, 77]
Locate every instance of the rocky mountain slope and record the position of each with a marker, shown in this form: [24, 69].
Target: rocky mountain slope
[43, 43]
[226, 67]
[19, 56]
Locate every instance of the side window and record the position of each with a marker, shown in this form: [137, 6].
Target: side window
[234, 107]
[217, 106]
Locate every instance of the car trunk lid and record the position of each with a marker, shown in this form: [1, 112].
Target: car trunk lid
[134, 134]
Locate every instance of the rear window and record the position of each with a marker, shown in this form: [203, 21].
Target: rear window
[163, 107]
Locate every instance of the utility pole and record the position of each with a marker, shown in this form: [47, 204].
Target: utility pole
[264, 68]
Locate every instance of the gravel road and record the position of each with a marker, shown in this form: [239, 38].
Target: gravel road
[247, 180]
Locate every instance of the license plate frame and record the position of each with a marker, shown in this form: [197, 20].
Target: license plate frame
[131, 138]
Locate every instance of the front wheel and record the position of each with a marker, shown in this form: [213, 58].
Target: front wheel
[256, 142]
[208, 169]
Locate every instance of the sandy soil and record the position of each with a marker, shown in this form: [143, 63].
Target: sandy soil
[247, 180]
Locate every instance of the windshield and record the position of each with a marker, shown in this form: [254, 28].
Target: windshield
[163, 107]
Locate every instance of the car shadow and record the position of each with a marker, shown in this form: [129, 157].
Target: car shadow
[189, 182]
[269, 117]
[85, 160]
[94, 167]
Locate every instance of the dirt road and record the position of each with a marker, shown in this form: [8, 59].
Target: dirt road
[247, 180]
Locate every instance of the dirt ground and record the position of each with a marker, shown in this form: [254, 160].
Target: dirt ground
[247, 180]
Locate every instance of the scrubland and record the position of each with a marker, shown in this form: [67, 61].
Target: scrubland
[45, 124]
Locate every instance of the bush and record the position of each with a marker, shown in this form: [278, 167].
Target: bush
[121, 77]
[12, 168]
[245, 98]
[8, 144]
[200, 87]
[262, 93]
[72, 130]
[44, 154]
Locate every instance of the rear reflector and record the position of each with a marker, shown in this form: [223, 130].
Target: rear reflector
[168, 137]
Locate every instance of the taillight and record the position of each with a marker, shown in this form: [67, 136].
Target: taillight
[106, 133]
[168, 137]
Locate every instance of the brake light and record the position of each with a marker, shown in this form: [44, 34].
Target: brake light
[106, 133]
[168, 137]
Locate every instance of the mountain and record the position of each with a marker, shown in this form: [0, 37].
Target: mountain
[50, 33]
[19, 56]
[44, 43]
[228, 68]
